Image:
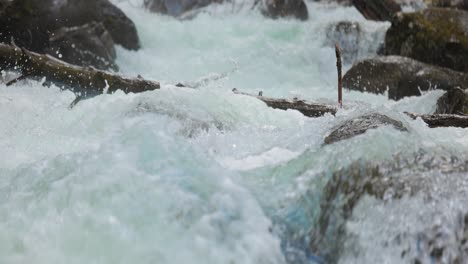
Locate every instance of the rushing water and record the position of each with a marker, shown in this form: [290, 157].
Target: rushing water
[202, 175]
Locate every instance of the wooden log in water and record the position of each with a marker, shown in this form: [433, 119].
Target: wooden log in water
[307, 108]
[87, 81]
[442, 120]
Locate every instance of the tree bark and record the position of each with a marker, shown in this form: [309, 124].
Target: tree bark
[442, 120]
[308, 109]
[84, 81]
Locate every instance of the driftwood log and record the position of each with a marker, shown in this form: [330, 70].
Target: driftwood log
[442, 120]
[307, 108]
[84, 81]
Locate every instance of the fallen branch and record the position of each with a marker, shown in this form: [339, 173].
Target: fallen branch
[308, 109]
[442, 120]
[82, 80]
[340, 78]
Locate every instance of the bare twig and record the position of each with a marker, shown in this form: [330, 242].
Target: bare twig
[340, 79]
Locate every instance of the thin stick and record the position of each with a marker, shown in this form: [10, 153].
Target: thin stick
[340, 79]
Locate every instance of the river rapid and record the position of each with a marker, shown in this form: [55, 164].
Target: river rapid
[202, 175]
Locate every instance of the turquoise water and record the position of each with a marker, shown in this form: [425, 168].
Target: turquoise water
[194, 175]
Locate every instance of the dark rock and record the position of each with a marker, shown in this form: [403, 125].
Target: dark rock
[285, 8]
[400, 76]
[72, 13]
[29, 22]
[90, 44]
[26, 23]
[360, 125]
[382, 10]
[177, 7]
[437, 36]
[348, 35]
[454, 101]
[341, 2]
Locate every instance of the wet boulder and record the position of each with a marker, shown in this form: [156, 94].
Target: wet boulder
[285, 8]
[30, 22]
[86, 45]
[25, 23]
[436, 36]
[359, 125]
[400, 77]
[382, 10]
[454, 101]
[72, 13]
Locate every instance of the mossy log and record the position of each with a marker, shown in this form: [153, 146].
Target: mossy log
[85, 81]
[442, 120]
[307, 108]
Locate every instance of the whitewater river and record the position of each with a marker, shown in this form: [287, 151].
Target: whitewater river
[202, 175]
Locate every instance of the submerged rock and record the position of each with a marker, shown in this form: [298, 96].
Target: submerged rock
[348, 35]
[54, 25]
[454, 101]
[90, 44]
[359, 125]
[285, 8]
[269, 8]
[400, 76]
[177, 7]
[382, 10]
[437, 36]
[393, 180]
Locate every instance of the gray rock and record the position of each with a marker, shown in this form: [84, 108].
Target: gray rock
[360, 125]
[87, 45]
[454, 101]
[400, 76]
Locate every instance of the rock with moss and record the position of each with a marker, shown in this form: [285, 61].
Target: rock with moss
[437, 36]
[400, 77]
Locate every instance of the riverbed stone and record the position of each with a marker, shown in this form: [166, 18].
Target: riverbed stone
[400, 77]
[436, 36]
[359, 125]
